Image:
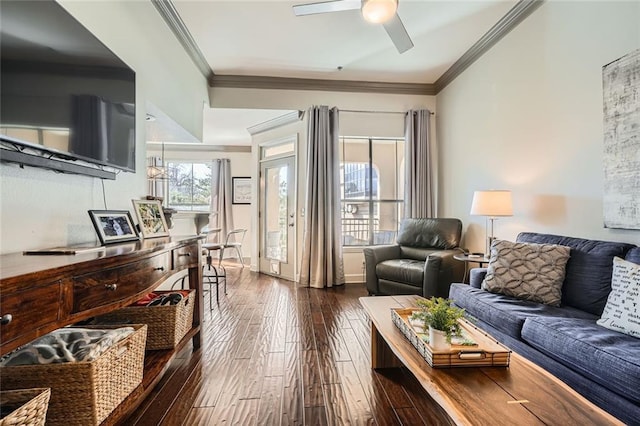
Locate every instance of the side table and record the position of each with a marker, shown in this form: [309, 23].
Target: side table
[469, 258]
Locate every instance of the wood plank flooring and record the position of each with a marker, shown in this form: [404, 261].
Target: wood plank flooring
[275, 353]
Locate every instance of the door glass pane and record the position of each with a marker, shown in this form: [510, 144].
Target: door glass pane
[276, 211]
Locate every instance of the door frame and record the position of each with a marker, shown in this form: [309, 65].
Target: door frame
[267, 144]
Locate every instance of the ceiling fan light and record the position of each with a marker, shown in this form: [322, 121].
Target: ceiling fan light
[379, 11]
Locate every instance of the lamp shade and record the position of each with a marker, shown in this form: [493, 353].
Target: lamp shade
[492, 203]
[379, 11]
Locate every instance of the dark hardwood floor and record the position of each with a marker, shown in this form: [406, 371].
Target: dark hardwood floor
[275, 353]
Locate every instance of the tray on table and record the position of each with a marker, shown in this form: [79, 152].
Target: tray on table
[475, 349]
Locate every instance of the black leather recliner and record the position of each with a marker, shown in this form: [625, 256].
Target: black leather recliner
[421, 262]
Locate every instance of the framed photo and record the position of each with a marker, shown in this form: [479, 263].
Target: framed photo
[113, 226]
[241, 190]
[151, 218]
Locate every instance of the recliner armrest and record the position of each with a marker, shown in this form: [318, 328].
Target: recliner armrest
[440, 270]
[373, 256]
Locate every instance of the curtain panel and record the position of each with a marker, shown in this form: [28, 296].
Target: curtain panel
[419, 191]
[322, 263]
[221, 213]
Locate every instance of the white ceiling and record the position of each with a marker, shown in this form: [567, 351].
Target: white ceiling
[265, 38]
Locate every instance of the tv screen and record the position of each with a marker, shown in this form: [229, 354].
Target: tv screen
[62, 89]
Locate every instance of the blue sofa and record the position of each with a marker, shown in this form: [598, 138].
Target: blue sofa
[601, 364]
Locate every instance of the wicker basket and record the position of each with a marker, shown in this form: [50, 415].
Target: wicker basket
[85, 393]
[31, 406]
[167, 324]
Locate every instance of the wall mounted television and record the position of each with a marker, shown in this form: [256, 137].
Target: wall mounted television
[63, 93]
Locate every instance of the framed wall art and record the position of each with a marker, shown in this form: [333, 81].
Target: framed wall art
[621, 86]
[113, 226]
[241, 190]
[151, 218]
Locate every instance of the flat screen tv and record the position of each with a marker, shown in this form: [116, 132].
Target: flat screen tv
[62, 91]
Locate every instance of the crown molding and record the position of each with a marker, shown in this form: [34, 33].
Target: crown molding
[260, 82]
[516, 14]
[199, 147]
[508, 22]
[275, 123]
[167, 10]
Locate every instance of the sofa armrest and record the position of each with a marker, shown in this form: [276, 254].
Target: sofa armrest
[440, 270]
[373, 256]
[476, 276]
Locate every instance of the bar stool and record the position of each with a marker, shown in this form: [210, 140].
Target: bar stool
[215, 275]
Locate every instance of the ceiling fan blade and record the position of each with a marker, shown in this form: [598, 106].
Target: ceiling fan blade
[326, 7]
[397, 32]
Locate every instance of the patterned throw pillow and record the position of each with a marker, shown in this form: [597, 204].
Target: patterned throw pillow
[527, 271]
[622, 313]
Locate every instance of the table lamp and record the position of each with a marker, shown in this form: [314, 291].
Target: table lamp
[493, 204]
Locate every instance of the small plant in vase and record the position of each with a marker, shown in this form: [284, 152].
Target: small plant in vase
[441, 318]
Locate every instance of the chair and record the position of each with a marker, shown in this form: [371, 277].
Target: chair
[234, 240]
[421, 262]
[213, 274]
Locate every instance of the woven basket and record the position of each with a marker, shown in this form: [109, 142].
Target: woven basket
[31, 406]
[167, 324]
[85, 393]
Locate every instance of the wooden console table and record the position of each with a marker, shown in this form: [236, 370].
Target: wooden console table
[41, 293]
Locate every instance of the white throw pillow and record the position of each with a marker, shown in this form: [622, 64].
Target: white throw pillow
[622, 313]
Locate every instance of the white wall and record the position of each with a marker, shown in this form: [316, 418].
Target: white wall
[40, 208]
[351, 124]
[527, 116]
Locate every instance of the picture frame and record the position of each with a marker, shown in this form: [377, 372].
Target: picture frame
[113, 226]
[151, 218]
[241, 190]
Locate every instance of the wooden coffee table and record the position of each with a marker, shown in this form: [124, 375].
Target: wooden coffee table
[522, 393]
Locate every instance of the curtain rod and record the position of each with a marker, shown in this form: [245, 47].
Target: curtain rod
[377, 112]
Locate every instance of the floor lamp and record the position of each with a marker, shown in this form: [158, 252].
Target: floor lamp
[492, 204]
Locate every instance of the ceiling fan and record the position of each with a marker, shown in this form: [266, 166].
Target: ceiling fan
[375, 11]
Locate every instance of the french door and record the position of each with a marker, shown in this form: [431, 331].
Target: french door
[277, 217]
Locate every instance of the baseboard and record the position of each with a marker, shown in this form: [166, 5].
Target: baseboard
[354, 279]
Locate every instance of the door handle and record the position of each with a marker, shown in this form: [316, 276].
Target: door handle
[291, 224]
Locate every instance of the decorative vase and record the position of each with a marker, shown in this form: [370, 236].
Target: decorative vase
[438, 340]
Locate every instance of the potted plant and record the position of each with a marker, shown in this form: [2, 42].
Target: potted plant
[442, 319]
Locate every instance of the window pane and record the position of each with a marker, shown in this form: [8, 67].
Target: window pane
[354, 164]
[386, 155]
[201, 187]
[386, 222]
[355, 224]
[272, 151]
[189, 186]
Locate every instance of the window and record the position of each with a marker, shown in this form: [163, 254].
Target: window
[189, 186]
[372, 189]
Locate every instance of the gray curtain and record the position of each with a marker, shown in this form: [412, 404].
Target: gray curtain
[322, 264]
[221, 213]
[419, 183]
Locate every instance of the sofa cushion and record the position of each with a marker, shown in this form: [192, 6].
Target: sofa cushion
[604, 356]
[407, 271]
[527, 271]
[506, 313]
[633, 255]
[622, 313]
[587, 281]
[425, 232]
